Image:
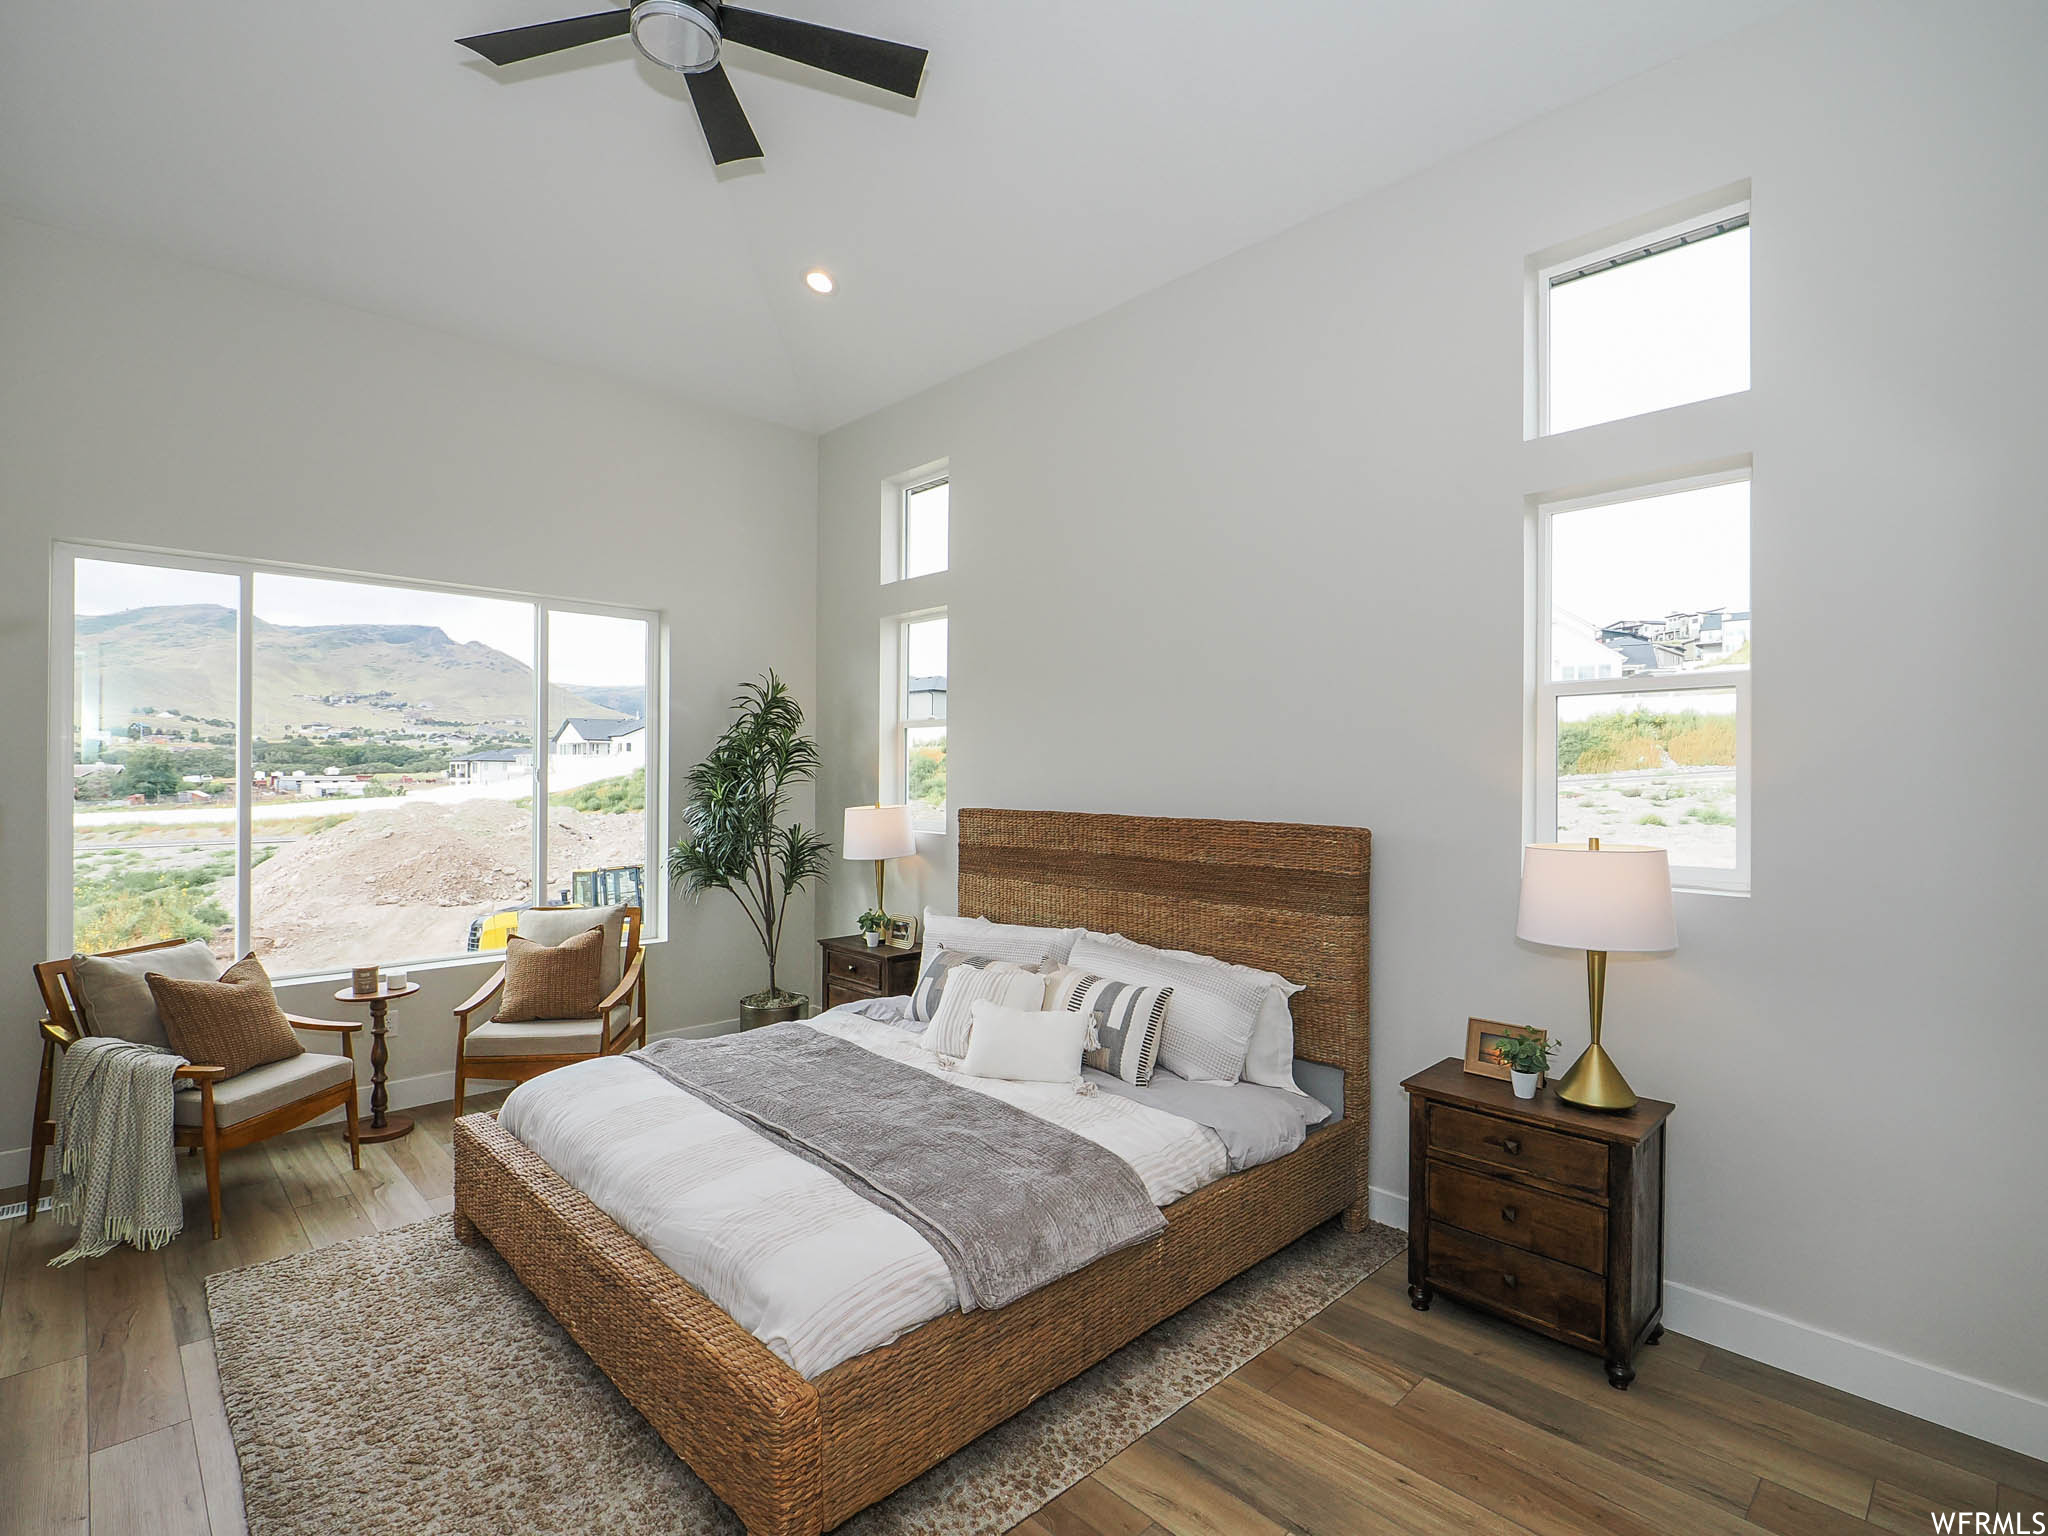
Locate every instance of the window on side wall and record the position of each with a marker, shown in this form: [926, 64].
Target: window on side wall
[920, 736]
[1650, 324]
[1643, 651]
[386, 786]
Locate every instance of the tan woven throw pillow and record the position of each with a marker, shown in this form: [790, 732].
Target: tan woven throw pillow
[558, 981]
[233, 1023]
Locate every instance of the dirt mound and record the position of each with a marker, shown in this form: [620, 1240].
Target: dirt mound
[424, 870]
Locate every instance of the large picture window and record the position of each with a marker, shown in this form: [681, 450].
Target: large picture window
[334, 772]
[1643, 650]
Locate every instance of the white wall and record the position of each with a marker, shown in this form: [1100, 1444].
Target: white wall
[1198, 542]
[150, 402]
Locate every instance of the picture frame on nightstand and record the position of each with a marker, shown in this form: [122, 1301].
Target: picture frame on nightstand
[1482, 1037]
[902, 933]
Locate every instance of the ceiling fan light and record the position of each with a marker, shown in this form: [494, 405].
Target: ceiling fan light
[676, 35]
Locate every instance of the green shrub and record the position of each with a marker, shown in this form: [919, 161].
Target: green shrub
[1651, 819]
[610, 797]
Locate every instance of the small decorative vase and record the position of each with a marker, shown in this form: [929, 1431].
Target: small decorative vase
[1525, 1083]
[873, 936]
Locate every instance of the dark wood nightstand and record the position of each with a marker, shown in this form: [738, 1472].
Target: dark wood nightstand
[853, 971]
[1550, 1215]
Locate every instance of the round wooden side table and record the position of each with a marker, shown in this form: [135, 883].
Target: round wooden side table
[382, 1126]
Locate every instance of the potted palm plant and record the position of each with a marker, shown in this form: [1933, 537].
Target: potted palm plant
[735, 838]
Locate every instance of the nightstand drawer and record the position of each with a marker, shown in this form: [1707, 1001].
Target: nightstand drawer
[1572, 1161]
[1566, 1230]
[862, 967]
[1551, 1295]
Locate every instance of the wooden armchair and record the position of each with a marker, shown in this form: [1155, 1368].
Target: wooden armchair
[508, 1052]
[225, 1112]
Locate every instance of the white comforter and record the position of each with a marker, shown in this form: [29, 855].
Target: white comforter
[811, 1269]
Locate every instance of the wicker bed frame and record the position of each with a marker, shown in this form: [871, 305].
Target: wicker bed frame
[796, 1457]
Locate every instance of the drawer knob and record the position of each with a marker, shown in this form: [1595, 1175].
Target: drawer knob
[1512, 1145]
[1507, 1214]
[1508, 1281]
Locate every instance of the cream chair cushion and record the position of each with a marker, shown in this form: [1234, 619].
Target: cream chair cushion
[551, 925]
[270, 1086]
[536, 1037]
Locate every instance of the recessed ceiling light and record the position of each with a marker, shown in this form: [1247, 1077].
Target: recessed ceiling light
[818, 280]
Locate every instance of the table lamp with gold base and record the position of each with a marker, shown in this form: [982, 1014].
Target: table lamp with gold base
[881, 833]
[1599, 900]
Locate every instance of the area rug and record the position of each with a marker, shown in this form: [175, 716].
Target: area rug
[402, 1383]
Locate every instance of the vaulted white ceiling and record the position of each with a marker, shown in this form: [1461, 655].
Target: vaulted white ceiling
[1063, 157]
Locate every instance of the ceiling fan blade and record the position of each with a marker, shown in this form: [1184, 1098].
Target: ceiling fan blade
[726, 128]
[548, 36]
[892, 66]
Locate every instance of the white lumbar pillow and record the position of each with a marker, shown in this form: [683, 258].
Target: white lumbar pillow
[967, 988]
[1025, 1047]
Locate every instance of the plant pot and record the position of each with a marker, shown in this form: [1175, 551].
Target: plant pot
[754, 1015]
[1526, 1083]
[874, 939]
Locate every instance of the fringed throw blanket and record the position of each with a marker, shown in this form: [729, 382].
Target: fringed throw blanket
[1010, 1202]
[117, 1176]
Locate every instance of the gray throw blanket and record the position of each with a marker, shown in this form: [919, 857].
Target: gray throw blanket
[116, 1173]
[1011, 1202]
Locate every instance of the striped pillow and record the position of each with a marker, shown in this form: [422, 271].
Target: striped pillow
[1004, 985]
[1129, 1021]
[931, 986]
[1215, 1009]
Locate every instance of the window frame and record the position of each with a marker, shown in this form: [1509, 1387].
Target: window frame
[896, 770]
[1545, 692]
[895, 520]
[62, 675]
[1669, 233]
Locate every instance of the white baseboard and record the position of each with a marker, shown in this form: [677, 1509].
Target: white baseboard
[1386, 1207]
[1980, 1408]
[402, 1092]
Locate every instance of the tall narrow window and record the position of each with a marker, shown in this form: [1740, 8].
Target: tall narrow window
[1644, 653]
[597, 758]
[333, 771]
[921, 719]
[927, 515]
[1647, 326]
[152, 755]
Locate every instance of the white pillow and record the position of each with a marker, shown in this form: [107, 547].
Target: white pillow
[1221, 1012]
[1270, 1059]
[1025, 1047]
[999, 941]
[1001, 984]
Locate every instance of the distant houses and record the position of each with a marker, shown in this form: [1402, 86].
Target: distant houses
[492, 767]
[583, 736]
[1678, 642]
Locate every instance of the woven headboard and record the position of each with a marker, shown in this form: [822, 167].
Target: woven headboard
[1275, 895]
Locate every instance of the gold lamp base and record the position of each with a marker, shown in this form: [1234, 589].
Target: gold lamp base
[1595, 1082]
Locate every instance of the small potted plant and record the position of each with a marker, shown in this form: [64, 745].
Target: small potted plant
[1527, 1056]
[872, 926]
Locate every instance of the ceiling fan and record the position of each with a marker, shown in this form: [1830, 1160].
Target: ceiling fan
[686, 35]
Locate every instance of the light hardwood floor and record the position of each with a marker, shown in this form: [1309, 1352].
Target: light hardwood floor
[1372, 1418]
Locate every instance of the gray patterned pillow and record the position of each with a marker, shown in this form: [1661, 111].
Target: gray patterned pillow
[1129, 1019]
[931, 986]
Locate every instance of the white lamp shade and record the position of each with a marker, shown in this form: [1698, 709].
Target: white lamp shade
[878, 832]
[1617, 897]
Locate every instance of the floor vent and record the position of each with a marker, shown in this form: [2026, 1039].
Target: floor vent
[20, 1208]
